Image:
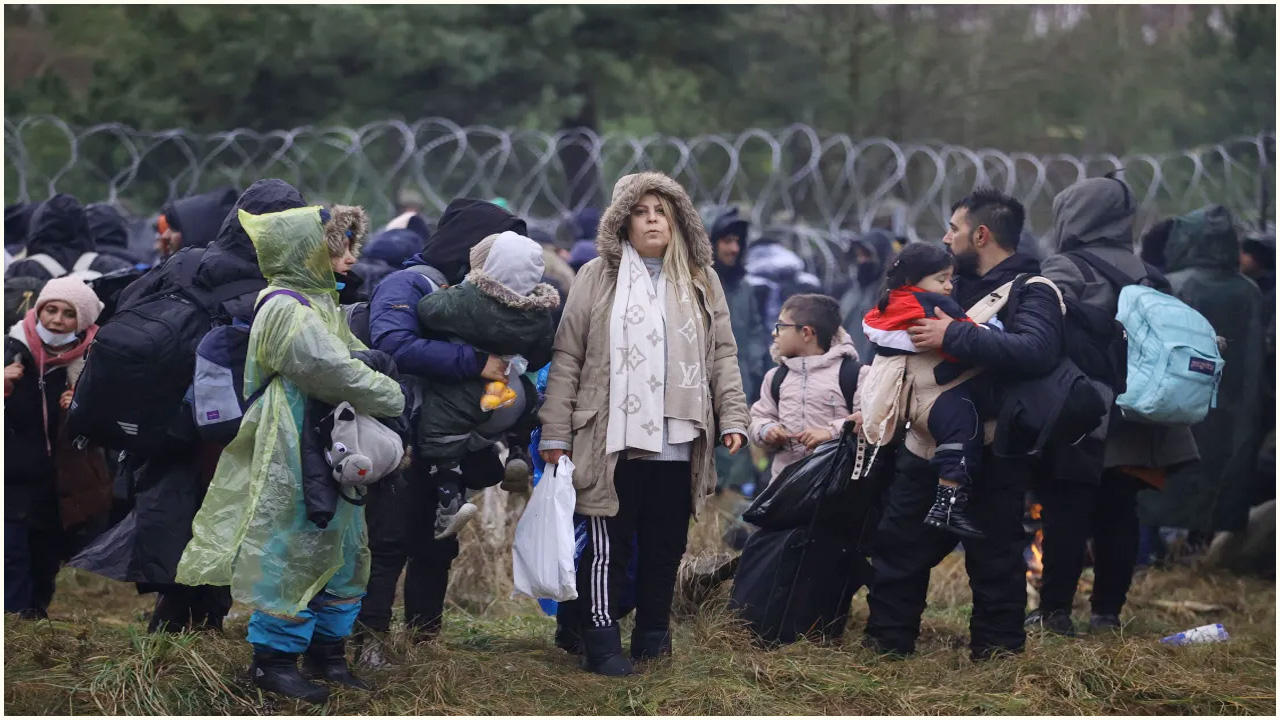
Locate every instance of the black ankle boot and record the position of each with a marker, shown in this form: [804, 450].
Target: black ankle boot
[950, 512]
[650, 644]
[277, 672]
[328, 661]
[603, 649]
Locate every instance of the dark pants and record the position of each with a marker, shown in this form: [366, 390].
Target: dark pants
[1074, 511]
[654, 506]
[180, 607]
[401, 525]
[956, 427]
[904, 550]
[32, 558]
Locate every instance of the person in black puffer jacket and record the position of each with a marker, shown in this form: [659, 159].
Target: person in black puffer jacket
[169, 485]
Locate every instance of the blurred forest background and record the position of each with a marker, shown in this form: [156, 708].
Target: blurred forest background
[1036, 78]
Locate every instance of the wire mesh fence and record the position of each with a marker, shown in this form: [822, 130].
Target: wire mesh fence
[819, 186]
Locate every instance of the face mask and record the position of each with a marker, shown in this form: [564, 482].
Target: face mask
[341, 285]
[54, 339]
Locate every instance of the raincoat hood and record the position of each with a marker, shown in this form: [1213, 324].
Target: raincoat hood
[59, 229]
[1205, 238]
[106, 226]
[464, 223]
[626, 192]
[199, 217]
[1095, 213]
[291, 248]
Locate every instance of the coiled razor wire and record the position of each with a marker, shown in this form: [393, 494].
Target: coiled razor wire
[817, 190]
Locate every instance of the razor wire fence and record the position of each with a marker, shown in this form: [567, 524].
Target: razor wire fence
[817, 189]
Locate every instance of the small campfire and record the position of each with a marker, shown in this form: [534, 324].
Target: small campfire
[1035, 557]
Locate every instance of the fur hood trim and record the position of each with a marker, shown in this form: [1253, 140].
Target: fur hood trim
[626, 192]
[346, 221]
[543, 297]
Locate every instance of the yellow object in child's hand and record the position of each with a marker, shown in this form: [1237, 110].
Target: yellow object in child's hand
[497, 395]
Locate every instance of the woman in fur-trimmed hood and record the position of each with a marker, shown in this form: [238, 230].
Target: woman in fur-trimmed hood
[644, 383]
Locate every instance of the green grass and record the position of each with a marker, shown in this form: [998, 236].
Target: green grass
[497, 658]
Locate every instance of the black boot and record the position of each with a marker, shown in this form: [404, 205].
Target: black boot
[277, 672]
[171, 614]
[604, 656]
[568, 634]
[328, 661]
[950, 512]
[1055, 621]
[650, 644]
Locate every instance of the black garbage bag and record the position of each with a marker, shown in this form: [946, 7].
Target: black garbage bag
[820, 478]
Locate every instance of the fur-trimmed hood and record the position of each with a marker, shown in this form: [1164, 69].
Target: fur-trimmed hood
[346, 222]
[543, 296]
[626, 192]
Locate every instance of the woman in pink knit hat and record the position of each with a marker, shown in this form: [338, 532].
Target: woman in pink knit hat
[51, 488]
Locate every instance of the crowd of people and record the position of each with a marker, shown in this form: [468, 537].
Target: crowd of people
[341, 399]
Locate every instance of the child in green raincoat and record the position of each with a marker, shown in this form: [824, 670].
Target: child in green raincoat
[252, 533]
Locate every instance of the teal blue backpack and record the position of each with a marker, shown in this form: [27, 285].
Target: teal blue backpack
[1174, 365]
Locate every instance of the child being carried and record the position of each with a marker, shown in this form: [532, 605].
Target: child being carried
[502, 308]
[917, 284]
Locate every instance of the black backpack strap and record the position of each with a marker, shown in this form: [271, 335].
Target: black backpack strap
[1112, 273]
[849, 379]
[1083, 266]
[775, 386]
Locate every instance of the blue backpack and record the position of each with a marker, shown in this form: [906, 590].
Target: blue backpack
[1174, 365]
[217, 391]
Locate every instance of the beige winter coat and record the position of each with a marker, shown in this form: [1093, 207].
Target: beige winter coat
[575, 415]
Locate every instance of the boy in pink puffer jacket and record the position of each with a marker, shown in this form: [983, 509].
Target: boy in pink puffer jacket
[810, 407]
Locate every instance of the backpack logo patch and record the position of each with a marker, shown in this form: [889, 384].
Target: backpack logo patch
[1202, 366]
[212, 415]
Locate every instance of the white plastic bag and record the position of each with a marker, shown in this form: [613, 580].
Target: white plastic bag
[542, 556]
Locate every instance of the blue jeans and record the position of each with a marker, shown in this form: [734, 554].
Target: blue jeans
[328, 618]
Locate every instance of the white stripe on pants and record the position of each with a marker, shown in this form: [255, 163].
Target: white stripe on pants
[600, 616]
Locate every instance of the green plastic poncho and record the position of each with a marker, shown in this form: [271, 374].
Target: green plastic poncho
[252, 531]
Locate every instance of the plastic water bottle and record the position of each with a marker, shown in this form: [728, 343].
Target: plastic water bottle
[1199, 636]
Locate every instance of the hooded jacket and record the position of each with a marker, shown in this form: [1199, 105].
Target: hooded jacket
[252, 532]
[384, 254]
[393, 316]
[810, 396]
[575, 414]
[864, 291]
[199, 217]
[1214, 494]
[60, 230]
[749, 327]
[229, 258]
[501, 308]
[1096, 216]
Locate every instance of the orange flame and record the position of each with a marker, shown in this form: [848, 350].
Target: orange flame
[1035, 564]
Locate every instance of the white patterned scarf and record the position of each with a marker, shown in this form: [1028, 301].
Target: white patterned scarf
[650, 387]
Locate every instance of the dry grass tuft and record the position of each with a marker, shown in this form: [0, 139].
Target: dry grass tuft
[496, 656]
